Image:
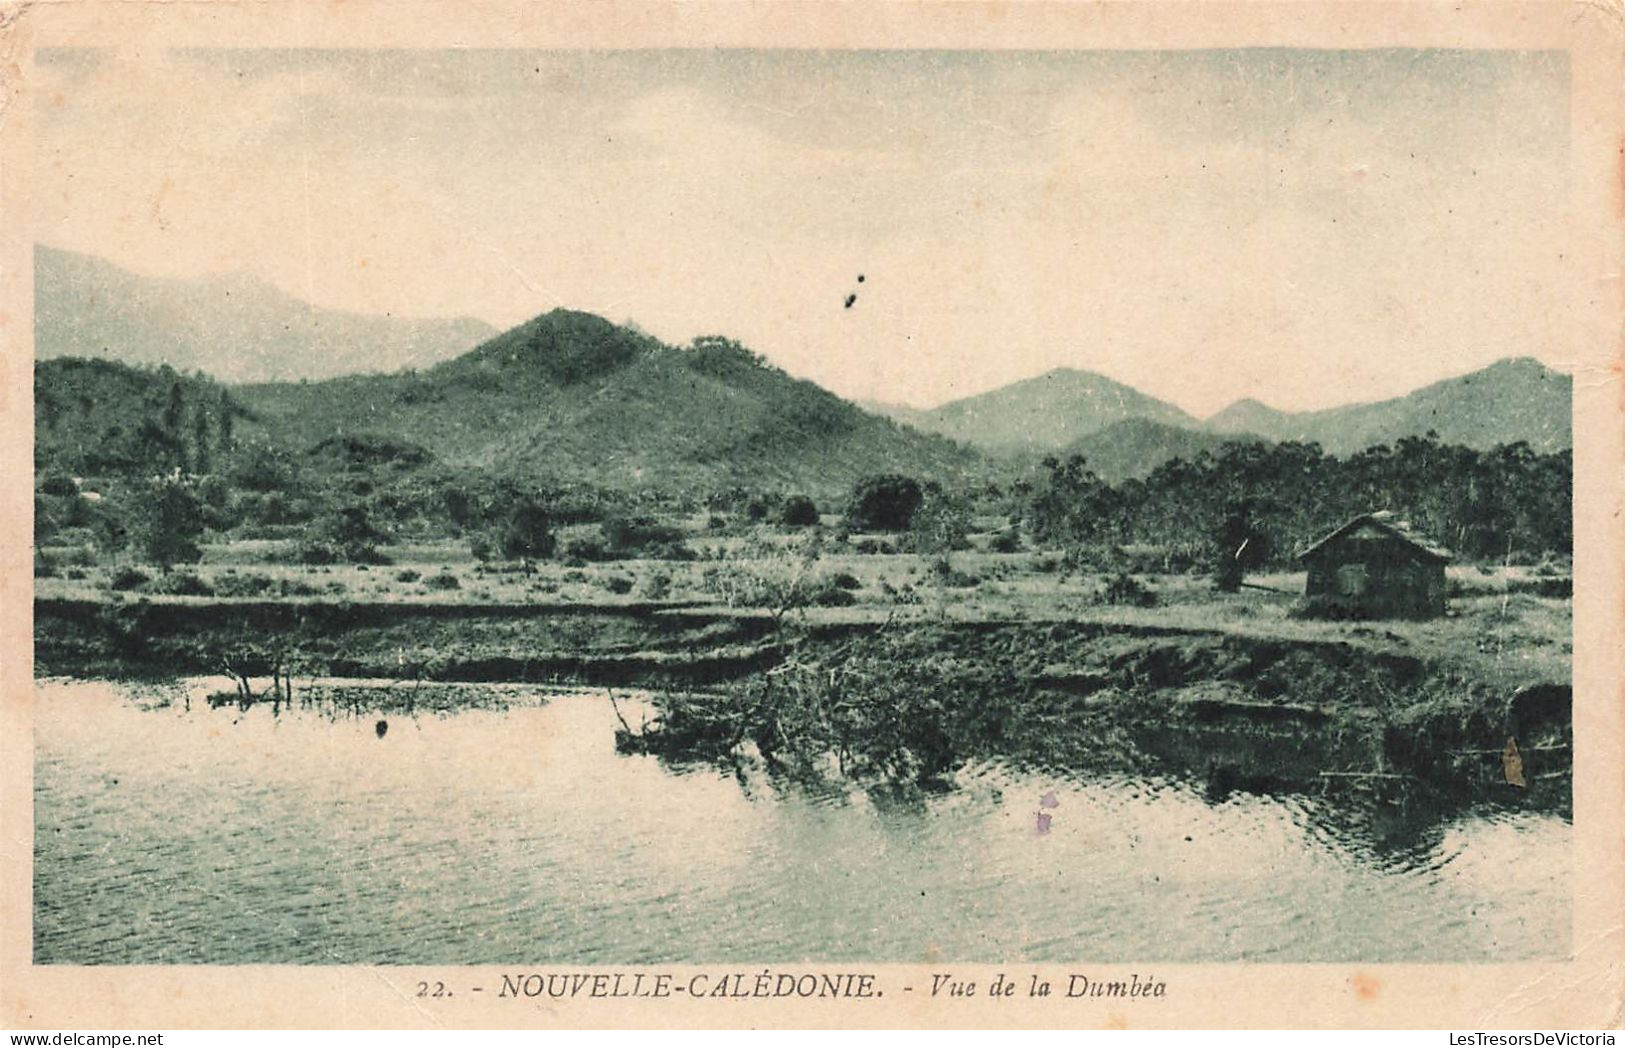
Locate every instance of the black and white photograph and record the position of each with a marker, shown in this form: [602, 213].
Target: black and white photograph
[572, 508]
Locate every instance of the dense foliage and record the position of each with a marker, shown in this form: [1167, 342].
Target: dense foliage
[798, 511]
[1276, 499]
[884, 503]
[170, 521]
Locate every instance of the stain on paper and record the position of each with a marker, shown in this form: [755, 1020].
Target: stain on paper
[1512, 764]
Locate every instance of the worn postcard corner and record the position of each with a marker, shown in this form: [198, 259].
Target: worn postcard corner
[920, 515]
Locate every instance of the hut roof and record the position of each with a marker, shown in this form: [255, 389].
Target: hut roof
[1384, 521]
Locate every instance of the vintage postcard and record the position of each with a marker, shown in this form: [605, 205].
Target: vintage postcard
[894, 514]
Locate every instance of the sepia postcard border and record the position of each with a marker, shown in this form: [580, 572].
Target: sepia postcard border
[1586, 991]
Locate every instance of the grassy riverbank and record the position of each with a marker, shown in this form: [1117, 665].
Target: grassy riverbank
[1220, 689]
[858, 660]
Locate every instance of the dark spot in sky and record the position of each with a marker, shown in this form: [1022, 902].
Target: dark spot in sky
[851, 299]
[860, 278]
[382, 728]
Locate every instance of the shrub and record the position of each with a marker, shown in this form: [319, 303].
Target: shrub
[45, 565]
[232, 585]
[1554, 587]
[1126, 589]
[260, 467]
[179, 584]
[625, 536]
[845, 580]
[59, 484]
[585, 549]
[656, 585]
[443, 580]
[798, 511]
[127, 578]
[409, 575]
[832, 597]
[316, 551]
[884, 503]
[1006, 541]
[619, 584]
[345, 536]
[947, 575]
[272, 509]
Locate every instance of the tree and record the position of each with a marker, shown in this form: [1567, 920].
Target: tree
[224, 412]
[346, 535]
[799, 511]
[202, 454]
[940, 525]
[1235, 536]
[884, 503]
[527, 531]
[171, 520]
[173, 417]
[1074, 506]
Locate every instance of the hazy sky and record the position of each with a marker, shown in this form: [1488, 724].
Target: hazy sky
[1303, 227]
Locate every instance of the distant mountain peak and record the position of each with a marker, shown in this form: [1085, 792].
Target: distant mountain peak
[1250, 404]
[235, 326]
[1043, 413]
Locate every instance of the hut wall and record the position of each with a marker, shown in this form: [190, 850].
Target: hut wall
[1377, 576]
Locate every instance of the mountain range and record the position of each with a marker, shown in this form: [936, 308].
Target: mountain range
[1517, 399]
[572, 396]
[235, 327]
[1511, 400]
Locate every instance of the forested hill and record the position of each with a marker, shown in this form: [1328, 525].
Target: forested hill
[1134, 447]
[572, 396]
[99, 417]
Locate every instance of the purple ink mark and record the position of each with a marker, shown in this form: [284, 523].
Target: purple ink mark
[1050, 800]
[1044, 818]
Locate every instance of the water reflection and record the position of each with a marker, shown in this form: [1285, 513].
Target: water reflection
[513, 832]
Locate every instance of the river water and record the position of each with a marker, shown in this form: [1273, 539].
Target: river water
[167, 835]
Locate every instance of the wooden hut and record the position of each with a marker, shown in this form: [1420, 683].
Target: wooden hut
[1376, 566]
